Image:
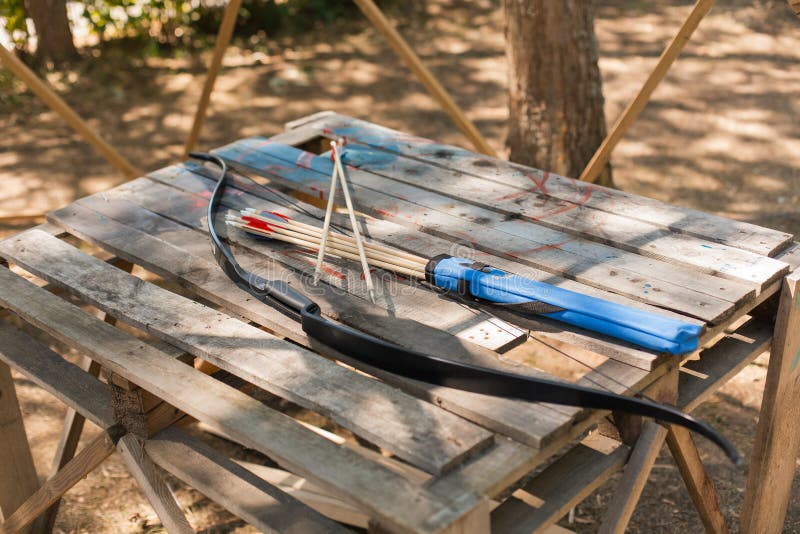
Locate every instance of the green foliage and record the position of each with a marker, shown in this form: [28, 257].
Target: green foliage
[189, 23]
[14, 21]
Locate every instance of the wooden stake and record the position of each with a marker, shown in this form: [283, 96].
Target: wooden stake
[220, 45]
[353, 222]
[57, 104]
[326, 224]
[631, 113]
[439, 93]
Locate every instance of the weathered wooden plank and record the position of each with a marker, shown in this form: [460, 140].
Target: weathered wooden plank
[790, 255]
[562, 485]
[62, 379]
[444, 216]
[160, 200]
[19, 479]
[152, 484]
[737, 234]
[382, 493]
[412, 429]
[238, 490]
[532, 424]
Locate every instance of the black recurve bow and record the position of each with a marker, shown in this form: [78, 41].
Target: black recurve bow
[426, 367]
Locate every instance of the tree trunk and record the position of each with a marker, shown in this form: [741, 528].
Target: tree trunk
[53, 33]
[556, 119]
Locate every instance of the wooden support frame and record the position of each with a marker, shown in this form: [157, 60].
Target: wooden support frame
[635, 476]
[701, 488]
[152, 483]
[57, 104]
[772, 464]
[90, 457]
[631, 113]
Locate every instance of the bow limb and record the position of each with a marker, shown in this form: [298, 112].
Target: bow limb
[449, 373]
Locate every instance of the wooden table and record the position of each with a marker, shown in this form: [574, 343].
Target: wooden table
[427, 459]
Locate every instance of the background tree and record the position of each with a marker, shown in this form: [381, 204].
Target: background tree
[54, 37]
[556, 118]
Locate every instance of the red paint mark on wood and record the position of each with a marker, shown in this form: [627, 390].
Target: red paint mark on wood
[304, 160]
[302, 255]
[254, 147]
[540, 182]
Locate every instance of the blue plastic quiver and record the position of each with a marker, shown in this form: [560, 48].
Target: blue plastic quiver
[527, 296]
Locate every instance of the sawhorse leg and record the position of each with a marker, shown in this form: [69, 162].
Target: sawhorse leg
[772, 465]
[18, 479]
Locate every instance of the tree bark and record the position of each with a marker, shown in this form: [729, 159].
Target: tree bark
[556, 118]
[53, 34]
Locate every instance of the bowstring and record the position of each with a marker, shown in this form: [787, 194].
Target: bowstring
[282, 199]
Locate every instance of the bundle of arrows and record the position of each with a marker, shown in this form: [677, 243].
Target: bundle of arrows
[485, 283]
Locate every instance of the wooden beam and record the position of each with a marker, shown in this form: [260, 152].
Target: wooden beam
[18, 480]
[90, 457]
[424, 75]
[57, 104]
[772, 464]
[152, 484]
[627, 493]
[699, 484]
[631, 113]
[221, 44]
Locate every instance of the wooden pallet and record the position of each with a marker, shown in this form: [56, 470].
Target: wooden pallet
[452, 461]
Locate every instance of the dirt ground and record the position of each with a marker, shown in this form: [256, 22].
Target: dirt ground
[722, 135]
